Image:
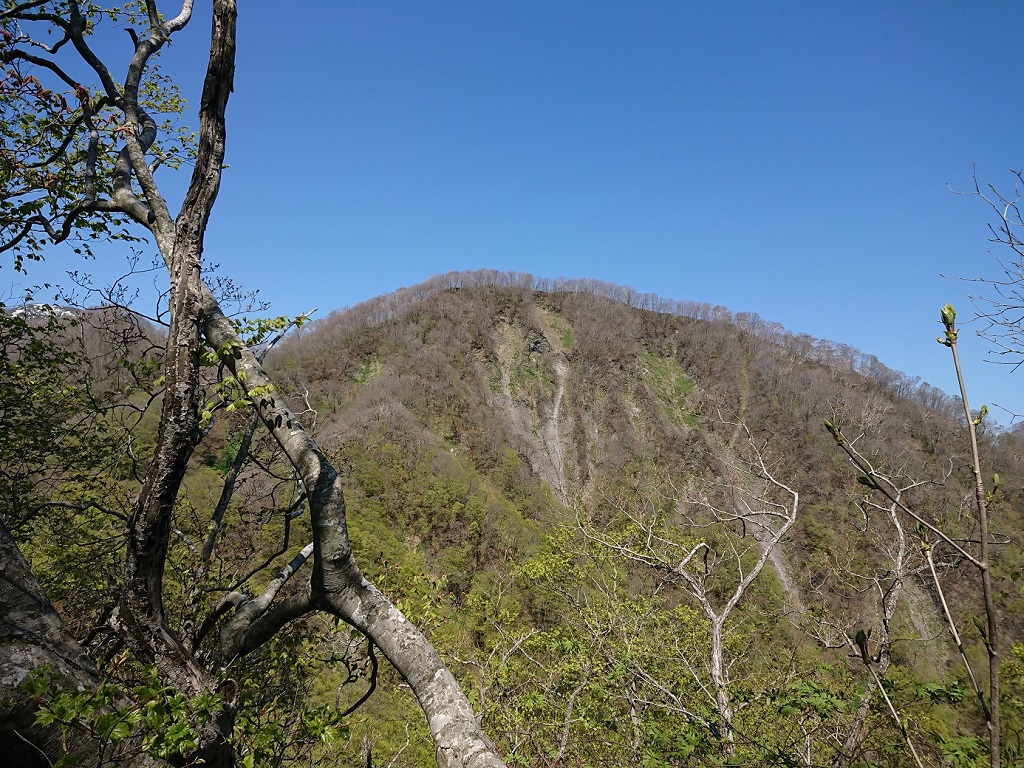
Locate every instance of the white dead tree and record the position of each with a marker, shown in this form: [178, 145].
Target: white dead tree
[710, 544]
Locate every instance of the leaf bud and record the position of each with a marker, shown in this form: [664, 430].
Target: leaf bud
[834, 431]
[948, 315]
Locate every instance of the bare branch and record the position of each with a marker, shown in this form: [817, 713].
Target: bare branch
[252, 609]
[373, 681]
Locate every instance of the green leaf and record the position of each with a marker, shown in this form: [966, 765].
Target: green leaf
[980, 625]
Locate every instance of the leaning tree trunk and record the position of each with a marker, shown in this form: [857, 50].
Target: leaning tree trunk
[336, 584]
[32, 635]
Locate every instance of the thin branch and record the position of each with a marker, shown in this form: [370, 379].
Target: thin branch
[248, 638]
[288, 517]
[228, 488]
[892, 709]
[252, 609]
[17, 10]
[953, 631]
[864, 466]
[373, 680]
[981, 498]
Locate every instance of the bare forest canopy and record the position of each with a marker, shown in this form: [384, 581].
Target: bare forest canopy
[835, 355]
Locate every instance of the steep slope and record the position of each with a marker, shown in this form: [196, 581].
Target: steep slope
[586, 396]
[490, 423]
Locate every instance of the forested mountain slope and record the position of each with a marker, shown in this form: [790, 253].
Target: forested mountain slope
[621, 520]
[578, 487]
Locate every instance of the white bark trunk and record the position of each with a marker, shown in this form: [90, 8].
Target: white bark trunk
[336, 583]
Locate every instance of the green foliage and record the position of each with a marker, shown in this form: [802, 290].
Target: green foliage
[630, 661]
[561, 327]
[277, 720]
[371, 369]
[809, 697]
[964, 751]
[55, 435]
[671, 387]
[286, 714]
[448, 515]
[149, 718]
[61, 139]
[228, 453]
[231, 392]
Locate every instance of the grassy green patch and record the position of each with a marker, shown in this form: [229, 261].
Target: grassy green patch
[671, 386]
[372, 368]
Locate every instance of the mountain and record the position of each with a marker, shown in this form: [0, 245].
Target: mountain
[570, 481]
[639, 532]
[43, 311]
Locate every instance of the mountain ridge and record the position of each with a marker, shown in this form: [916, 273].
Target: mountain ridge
[480, 418]
[663, 372]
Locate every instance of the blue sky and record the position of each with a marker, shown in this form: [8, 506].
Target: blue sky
[789, 159]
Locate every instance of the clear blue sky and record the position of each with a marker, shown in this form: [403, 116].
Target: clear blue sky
[789, 159]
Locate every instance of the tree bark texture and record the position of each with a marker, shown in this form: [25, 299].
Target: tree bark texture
[139, 615]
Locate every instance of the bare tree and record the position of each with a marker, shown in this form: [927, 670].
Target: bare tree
[871, 639]
[71, 177]
[1002, 309]
[763, 509]
[934, 535]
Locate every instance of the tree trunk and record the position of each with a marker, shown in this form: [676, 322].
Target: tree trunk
[336, 584]
[139, 616]
[723, 701]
